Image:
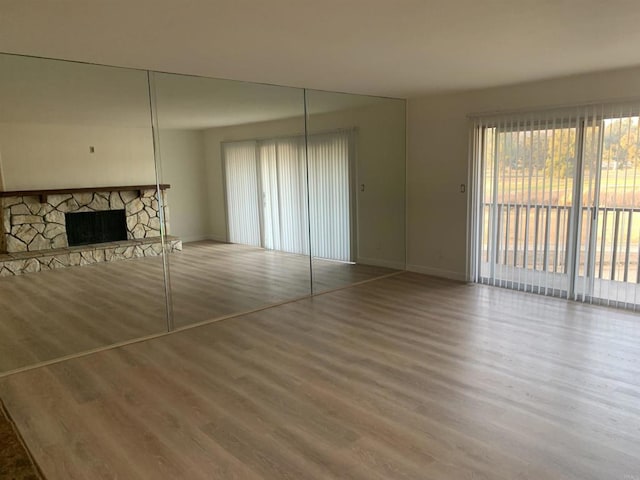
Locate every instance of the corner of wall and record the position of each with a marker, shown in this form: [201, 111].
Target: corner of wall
[438, 272]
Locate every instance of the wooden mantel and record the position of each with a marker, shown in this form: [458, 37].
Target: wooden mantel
[43, 194]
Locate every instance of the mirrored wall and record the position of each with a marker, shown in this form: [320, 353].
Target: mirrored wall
[356, 159]
[134, 203]
[237, 197]
[79, 210]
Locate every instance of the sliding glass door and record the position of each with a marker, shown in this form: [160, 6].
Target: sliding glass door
[609, 241]
[557, 211]
[529, 171]
[242, 196]
[266, 189]
[283, 189]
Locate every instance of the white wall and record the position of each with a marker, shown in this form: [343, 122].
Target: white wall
[438, 150]
[51, 112]
[381, 155]
[43, 156]
[183, 167]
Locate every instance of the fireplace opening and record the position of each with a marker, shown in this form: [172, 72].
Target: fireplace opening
[86, 228]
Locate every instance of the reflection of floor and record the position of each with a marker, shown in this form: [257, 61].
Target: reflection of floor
[215, 279]
[51, 314]
[407, 377]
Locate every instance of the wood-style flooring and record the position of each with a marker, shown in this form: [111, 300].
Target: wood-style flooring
[407, 377]
[210, 279]
[48, 315]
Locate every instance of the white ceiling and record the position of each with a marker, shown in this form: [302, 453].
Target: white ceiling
[381, 47]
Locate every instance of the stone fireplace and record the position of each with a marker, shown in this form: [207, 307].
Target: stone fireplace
[114, 223]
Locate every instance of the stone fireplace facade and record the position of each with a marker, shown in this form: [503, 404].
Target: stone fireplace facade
[34, 235]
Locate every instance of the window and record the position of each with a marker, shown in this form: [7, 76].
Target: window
[266, 191]
[555, 207]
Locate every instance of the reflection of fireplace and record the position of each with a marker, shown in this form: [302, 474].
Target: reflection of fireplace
[85, 228]
[36, 220]
[49, 229]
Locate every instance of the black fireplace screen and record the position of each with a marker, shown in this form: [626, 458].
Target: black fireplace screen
[85, 228]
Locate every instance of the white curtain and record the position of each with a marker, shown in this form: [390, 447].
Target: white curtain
[267, 194]
[241, 175]
[284, 193]
[556, 210]
[292, 183]
[270, 195]
[330, 196]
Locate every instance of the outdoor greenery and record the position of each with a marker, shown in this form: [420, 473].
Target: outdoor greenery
[533, 168]
[539, 166]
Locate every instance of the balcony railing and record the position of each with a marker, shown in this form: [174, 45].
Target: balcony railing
[536, 237]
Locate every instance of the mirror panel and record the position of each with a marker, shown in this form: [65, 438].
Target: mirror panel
[114, 228]
[233, 153]
[79, 267]
[356, 161]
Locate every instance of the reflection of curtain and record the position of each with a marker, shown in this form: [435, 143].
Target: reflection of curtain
[242, 193]
[277, 169]
[283, 177]
[270, 198]
[292, 182]
[329, 195]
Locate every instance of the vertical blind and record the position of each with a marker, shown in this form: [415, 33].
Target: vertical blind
[241, 172]
[330, 198]
[292, 181]
[266, 188]
[555, 209]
